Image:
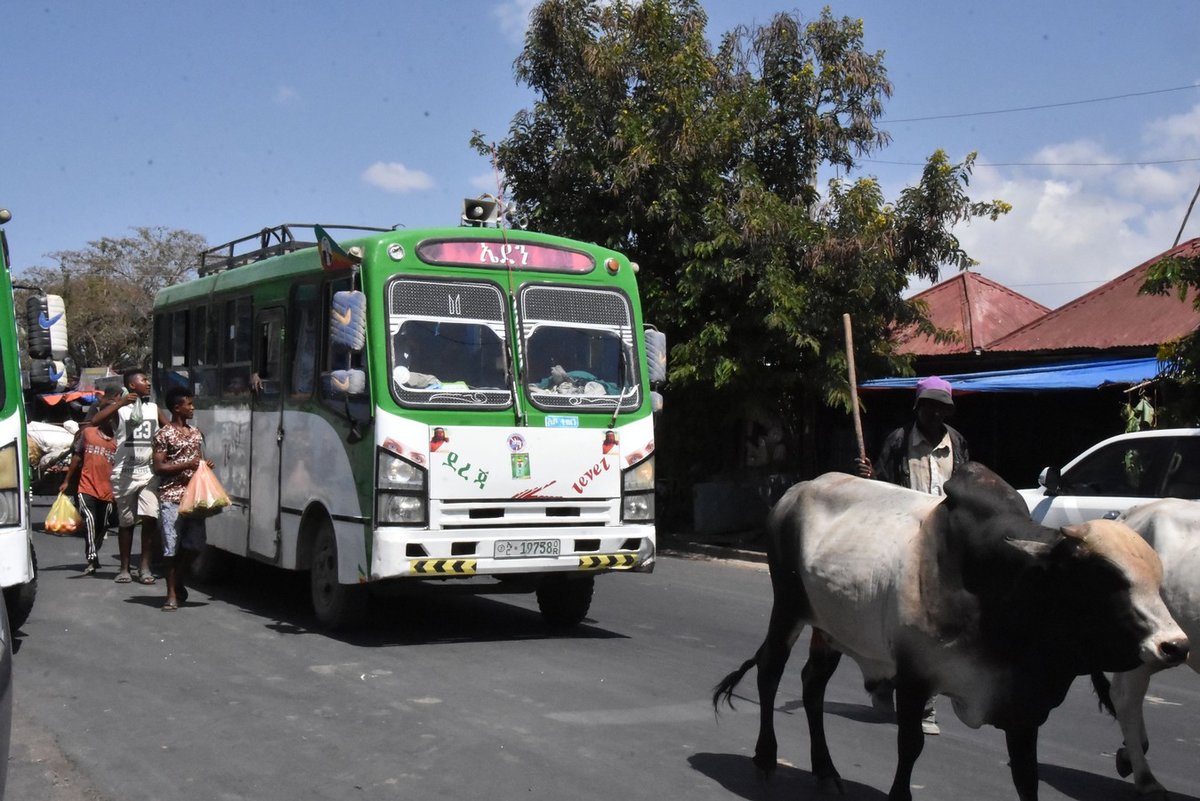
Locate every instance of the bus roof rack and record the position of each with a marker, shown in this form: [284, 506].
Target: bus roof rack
[271, 242]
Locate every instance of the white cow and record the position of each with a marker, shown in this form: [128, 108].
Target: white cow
[1172, 527]
[966, 597]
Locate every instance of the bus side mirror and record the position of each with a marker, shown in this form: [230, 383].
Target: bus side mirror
[46, 327]
[348, 320]
[656, 356]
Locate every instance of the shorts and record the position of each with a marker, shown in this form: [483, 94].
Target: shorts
[134, 499]
[179, 532]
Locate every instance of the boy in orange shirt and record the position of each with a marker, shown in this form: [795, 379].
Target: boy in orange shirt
[90, 472]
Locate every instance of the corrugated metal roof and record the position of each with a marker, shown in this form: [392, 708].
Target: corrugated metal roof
[979, 310]
[1112, 316]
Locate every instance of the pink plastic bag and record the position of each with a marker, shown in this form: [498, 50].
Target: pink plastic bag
[204, 496]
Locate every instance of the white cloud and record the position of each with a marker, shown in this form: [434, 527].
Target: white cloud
[392, 176]
[1074, 228]
[286, 95]
[1064, 238]
[513, 17]
[1170, 136]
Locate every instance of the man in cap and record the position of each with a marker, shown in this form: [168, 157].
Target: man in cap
[921, 456]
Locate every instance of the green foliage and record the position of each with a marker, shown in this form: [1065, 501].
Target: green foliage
[109, 287]
[1178, 275]
[701, 164]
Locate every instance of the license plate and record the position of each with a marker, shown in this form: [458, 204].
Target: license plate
[513, 549]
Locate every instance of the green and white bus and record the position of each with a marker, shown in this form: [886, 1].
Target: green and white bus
[470, 403]
[18, 564]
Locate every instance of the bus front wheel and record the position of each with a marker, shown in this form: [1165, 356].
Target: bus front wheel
[337, 605]
[565, 602]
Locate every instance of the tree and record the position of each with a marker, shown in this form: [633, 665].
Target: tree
[702, 165]
[1178, 274]
[109, 287]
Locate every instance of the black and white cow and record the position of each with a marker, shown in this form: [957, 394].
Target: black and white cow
[1172, 527]
[963, 596]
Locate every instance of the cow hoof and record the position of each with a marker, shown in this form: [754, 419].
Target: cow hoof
[1124, 766]
[765, 768]
[831, 785]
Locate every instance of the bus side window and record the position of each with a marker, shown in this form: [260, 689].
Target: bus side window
[239, 341]
[170, 350]
[305, 335]
[204, 356]
[265, 378]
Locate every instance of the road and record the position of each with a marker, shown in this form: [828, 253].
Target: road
[236, 697]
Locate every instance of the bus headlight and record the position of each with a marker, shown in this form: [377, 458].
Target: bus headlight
[400, 491]
[395, 509]
[637, 497]
[397, 473]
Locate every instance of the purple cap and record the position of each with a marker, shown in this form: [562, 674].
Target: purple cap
[935, 389]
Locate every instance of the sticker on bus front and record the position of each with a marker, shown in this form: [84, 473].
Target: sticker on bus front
[561, 421]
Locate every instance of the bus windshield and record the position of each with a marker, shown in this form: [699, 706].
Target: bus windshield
[579, 349]
[446, 344]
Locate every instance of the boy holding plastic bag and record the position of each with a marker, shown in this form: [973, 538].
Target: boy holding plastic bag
[178, 451]
[90, 474]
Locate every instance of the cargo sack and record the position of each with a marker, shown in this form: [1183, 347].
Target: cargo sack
[63, 519]
[204, 496]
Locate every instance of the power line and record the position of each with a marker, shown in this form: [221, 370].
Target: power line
[1043, 106]
[1048, 163]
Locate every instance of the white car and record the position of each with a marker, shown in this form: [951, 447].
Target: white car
[1117, 474]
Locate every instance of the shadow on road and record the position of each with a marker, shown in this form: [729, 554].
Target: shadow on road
[1084, 786]
[737, 774]
[419, 613]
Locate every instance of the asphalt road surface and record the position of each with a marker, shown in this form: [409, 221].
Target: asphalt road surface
[237, 697]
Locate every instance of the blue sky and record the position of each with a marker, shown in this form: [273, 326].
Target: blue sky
[222, 118]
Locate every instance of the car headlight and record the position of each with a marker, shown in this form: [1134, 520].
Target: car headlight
[637, 501]
[400, 491]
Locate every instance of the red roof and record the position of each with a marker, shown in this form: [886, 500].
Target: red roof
[1112, 316]
[979, 310]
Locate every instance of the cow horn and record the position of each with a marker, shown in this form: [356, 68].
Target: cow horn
[1031, 547]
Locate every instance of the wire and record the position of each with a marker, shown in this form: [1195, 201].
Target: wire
[1048, 163]
[1041, 107]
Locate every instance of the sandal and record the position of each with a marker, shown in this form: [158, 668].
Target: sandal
[123, 578]
[146, 577]
[170, 606]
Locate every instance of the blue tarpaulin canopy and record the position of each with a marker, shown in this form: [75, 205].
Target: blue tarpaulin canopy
[1091, 374]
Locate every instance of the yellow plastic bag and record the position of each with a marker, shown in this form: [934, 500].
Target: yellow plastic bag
[63, 518]
[204, 496]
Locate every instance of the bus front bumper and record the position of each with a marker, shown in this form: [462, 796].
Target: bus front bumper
[409, 553]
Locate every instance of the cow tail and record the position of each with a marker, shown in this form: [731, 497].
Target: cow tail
[1102, 687]
[725, 688]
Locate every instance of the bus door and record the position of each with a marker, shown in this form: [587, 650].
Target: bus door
[266, 434]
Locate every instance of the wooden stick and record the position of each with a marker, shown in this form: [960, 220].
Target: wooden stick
[858, 432]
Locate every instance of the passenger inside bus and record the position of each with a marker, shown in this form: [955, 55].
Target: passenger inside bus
[575, 361]
[430, 354]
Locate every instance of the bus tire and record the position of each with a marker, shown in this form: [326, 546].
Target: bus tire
[212, 565]
[20, 597]
[337, 606]
[564, 602]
